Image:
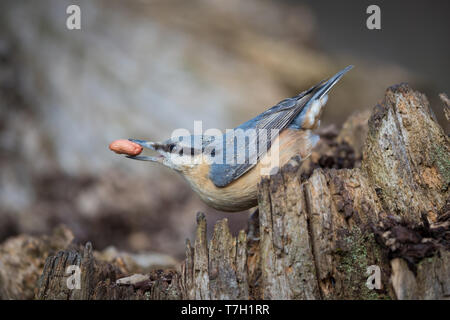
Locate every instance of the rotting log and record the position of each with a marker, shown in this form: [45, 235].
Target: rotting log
[319, 225]
[98, 279]
[22, 260]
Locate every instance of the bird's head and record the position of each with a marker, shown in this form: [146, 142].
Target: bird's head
[178, 153]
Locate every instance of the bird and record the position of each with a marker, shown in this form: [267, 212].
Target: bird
[225, 172]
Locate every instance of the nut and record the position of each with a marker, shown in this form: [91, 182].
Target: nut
[123, 146]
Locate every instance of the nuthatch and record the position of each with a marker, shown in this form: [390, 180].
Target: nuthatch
[232, 185]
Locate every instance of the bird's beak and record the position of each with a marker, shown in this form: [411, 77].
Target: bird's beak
[145, 144]
[147, 158]
[149, 145]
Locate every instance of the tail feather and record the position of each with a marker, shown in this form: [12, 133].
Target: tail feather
[309, 116]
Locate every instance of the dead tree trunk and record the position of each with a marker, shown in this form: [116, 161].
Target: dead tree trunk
[318, 230]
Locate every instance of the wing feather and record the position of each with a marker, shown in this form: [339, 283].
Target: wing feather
[269, 123]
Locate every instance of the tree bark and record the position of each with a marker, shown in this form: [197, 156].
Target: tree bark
[376, 199]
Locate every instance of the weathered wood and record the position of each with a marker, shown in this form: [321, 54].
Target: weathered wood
[201, 265]
[287, 263]
[22, 260]
[446, 102]
[341, 207]
[98, 280]
[380, 200]
[432, 279]
[407, 155]
[220, 271]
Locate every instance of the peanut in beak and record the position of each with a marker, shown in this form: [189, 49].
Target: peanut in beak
[123, 146]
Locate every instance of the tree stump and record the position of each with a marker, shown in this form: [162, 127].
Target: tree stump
[320, 225]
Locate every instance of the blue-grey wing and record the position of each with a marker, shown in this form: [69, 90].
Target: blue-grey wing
[266, 128]
[259, 134]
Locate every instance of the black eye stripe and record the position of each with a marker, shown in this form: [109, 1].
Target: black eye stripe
[211, 152]
[187, 150]
[165, 147]
[172, 148]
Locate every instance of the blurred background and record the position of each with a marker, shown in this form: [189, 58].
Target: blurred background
[144, 68]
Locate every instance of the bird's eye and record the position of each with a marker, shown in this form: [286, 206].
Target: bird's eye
[171, 147]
